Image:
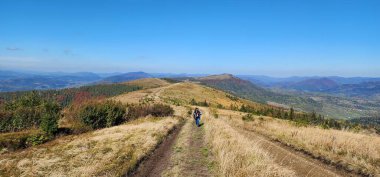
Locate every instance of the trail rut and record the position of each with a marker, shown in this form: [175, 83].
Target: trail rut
[155, 164]
[302, 164]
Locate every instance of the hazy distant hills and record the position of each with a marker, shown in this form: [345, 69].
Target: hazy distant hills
[369, 90]
[267, 81]
[21, 81]
[17, 81]
[359, 87]
[314, 84]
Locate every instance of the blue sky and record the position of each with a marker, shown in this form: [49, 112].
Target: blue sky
[266, 37]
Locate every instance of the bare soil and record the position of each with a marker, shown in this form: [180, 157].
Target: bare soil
[158, 161]
[197, 157]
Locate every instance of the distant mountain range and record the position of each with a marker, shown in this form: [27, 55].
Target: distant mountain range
[21, 81]
[267, 81]
[362, 87]
[332, 96]
[17, 81]
[313, 85]
[359, 87]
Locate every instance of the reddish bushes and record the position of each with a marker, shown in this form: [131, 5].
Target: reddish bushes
[142, 110]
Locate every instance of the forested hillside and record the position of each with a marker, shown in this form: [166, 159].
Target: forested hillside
[66, 96]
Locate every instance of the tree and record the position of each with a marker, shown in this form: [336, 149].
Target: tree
[291, 115]
[49, 118]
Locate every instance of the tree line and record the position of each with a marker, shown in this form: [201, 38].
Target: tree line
[65, 97]
[302, 118]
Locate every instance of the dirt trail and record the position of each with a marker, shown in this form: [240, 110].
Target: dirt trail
[155, 164]
[302, 164]
[156, 92]
[196, 163]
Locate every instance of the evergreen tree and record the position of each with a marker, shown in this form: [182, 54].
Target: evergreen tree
[291, 115]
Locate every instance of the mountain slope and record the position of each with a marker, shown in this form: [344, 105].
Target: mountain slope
[319, 84]
[20, 81]
[250, 91]
[366, 90]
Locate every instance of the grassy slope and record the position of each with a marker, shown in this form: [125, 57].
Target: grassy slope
[238, 156]
[356, 151]
[183, 93]
[107, 152]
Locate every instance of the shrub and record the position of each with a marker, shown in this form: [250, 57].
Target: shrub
[115, 112]
[91, 116]
[231, 97]
[36, 139]
[5, 119]
[201, 103]
[142, 110]
[49, 118]
[102, 114]
[161, 110]
[27, 112]
[248, 117]
[220, 106]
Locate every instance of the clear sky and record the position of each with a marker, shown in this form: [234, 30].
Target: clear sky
[266, 37]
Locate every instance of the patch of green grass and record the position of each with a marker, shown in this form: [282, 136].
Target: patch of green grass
[211, 166]
[178, 149]
[205, 151]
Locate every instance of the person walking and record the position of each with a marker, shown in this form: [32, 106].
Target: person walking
[197, 116]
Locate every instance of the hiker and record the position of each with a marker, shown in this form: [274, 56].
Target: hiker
[197, 116]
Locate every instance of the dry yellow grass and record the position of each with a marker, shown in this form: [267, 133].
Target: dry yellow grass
[148, 83]
[356, 151]
[183, 93]
[237, 155]
[143, 96]
[133, 97]
[107, 152]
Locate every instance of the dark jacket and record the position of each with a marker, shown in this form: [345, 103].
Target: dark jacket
[197, 114]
